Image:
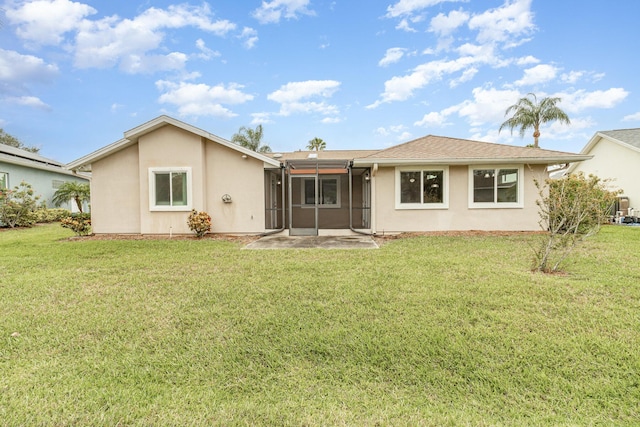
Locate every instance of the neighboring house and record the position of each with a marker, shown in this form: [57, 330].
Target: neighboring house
[149, 181]
[44, 175]
[616, 156]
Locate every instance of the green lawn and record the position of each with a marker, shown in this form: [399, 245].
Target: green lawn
[424, 331]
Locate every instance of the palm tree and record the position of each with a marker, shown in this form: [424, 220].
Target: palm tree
[71, 190]
[528, 113]
[251, 139]
[316, 144]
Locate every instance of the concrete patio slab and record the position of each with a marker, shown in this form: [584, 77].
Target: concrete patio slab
[310, 242]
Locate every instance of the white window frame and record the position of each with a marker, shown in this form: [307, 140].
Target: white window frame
[320, 179]
[422, 204]
[495, 204]
[152, 189]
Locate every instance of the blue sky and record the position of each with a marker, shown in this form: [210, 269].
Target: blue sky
[74, 75]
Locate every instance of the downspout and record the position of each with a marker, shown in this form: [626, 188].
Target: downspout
[284, 212]
[351, 203]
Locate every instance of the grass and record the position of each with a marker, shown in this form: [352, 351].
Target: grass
[424, 331]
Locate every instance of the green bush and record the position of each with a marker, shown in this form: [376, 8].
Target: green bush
[45, 215]
[572, 209]
[199, 222]
[18, 206]
[79, 223]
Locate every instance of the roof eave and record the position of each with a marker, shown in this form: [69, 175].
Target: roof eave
[131, 137]
[36, 165]
[84, 163]
[473, 161]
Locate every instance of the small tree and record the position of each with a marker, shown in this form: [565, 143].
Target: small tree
[571, 209]
[72, 190]
[316, 144]
[251, 139]
[528, 113]
[18, 206]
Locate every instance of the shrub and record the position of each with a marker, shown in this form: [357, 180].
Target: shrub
[79, 223]
[18, 206]
[44, 215]
[199, 222]
[571, 209]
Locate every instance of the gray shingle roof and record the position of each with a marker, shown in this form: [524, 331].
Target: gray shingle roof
[446, 149]
[628, 136]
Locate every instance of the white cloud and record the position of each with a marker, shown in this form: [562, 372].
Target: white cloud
[404, 136]
[446, 24]
[18, 72]
[331, 120]
[250, 37]
[201, 99]
[409, 7]
[432, 119]
[17, 69]
[261, 118]
[295, 97]
[148, 64]
[402, 88]
[527, 60]
[392, 55]
[28, 101]
[381, 131]
[581, 100]
[271, 12]
[539, 74]
[632, 117]
[405, 26]
[488, 105]
[127, 42]
[205, 52]
[467, 75]
[572, 76]
[505, 24]
[45, 22]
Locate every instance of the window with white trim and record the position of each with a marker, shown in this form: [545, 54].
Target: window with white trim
[422, 188]
[170, 189]
[328, 189]
[496, 187]
[4, 180]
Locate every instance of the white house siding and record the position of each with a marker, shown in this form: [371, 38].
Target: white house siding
[617, 163]
[458, 216]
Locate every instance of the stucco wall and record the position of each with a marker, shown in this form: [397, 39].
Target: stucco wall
[618, 163]
[458, 216]
[121, 186]
[169, 147]
[242, 179]
[115, 191]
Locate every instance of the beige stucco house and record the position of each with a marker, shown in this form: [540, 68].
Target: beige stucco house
[149, 181]
[616, 157]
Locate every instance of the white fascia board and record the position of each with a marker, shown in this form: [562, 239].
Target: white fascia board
[131, 137]
[473, 161]
[36, 165]
[83, 162]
